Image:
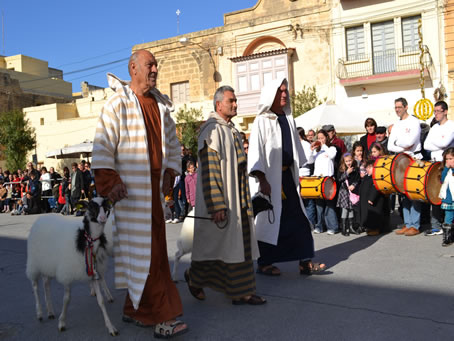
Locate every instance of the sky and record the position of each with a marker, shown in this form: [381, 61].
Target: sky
[79, 35]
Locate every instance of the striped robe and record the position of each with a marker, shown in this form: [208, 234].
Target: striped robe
[121, 144]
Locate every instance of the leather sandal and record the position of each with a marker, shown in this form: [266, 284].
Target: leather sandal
[198, 293]
[309, 268]
[252, 300]
[167, 331]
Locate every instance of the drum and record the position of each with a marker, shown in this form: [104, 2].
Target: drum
[313, 187]
[422, 181]
[389, 172]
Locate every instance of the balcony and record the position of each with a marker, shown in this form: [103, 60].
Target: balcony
[382, 66]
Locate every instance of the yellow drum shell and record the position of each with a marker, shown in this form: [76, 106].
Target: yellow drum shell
[313, 187]
[389, 173]
[422, 181]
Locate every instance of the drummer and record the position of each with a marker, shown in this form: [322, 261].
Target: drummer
[405, 138]
[440, 137]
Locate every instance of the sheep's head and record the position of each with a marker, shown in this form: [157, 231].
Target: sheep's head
[97, 210]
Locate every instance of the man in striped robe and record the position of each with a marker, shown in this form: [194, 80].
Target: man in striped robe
[136, 156]
[224, 246]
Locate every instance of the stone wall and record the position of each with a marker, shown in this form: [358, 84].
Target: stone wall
[12, 97]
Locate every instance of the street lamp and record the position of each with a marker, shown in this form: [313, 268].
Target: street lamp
[186, 42]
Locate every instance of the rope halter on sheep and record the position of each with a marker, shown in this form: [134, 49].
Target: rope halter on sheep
[90, 257]
[97, 212]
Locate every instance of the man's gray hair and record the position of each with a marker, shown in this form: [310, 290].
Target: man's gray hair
[132, 59]
[219, 94]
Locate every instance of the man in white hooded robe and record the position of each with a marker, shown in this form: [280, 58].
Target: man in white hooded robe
[275, 156]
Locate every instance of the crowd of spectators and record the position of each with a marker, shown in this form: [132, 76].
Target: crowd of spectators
[39, 190]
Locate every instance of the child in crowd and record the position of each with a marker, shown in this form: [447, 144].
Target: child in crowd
[190, 182]
[9, 189]
[18, 208]
[168, 214]
[447, 195]
[3, 194]
[349, 179]
[374, 205]
[376, 151]
[324, 155]
[360, 157]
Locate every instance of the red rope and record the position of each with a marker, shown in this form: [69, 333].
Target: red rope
[90, 257]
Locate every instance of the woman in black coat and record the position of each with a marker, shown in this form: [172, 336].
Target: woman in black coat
[366, 140]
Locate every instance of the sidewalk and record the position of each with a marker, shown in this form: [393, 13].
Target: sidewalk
[377, 288]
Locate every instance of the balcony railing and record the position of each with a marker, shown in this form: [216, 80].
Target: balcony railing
[382, 62]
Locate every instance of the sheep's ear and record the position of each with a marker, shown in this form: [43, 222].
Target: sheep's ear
[82, 204]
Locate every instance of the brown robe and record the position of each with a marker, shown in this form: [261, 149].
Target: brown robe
[160, 299]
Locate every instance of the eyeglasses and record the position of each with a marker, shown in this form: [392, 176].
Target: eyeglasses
[439, 110]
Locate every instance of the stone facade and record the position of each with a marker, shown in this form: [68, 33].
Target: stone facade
[302, 28]
[27, 82]
[306, 41]
[370, 82]
[13, 97]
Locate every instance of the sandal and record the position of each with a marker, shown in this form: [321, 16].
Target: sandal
[167, 331]
[198, 293]
[309, 268]
[269, 270]
[252, 300]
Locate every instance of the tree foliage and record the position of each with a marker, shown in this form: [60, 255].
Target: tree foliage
[305, 100]
[17, 138]
[188, 124]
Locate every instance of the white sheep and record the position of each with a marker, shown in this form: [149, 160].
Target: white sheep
[58, 247]
[184, 242]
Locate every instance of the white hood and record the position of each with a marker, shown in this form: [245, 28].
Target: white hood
[269, 93]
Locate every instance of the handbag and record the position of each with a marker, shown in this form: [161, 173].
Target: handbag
[261, 202]
[354, 198]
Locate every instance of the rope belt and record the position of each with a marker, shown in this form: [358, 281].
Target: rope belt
[90, 257]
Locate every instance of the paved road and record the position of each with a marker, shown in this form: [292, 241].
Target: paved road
[377, 288]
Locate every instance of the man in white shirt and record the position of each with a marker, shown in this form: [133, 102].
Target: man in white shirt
[405, 138]
[440, 137]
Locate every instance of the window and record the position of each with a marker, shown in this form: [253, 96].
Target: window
[355, 43]
[410, 36]
[41, 121]
[383, 48]
[180, 92]
[254, 74]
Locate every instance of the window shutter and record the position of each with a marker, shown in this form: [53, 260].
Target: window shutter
[355, 42]
[410, 37]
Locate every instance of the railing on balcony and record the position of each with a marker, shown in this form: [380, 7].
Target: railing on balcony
[388, 61]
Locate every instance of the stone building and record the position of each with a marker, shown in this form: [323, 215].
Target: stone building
[273, 38]
[28, 82]
[359, 54]
[377, 54]
[60, 125]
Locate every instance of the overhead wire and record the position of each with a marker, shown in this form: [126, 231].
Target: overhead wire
[311, 29]
[95, 57]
